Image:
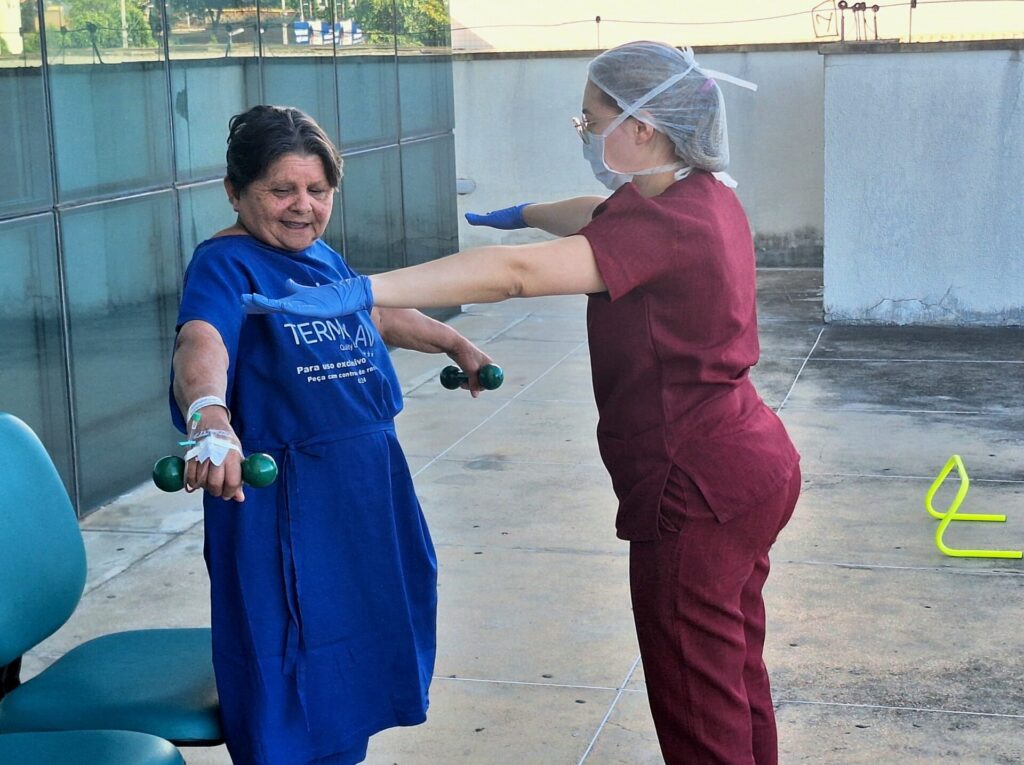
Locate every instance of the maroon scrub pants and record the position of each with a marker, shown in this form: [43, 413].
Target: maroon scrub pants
[700, 622]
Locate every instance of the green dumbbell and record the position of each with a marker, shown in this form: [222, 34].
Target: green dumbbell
[258, 470]
[491, 376]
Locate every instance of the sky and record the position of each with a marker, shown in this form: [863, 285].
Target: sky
[570, 24]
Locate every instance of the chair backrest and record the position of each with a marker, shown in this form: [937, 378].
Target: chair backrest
[42, 556]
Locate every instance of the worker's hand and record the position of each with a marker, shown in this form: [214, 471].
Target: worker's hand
[325, 302]
[469, 359]
[214, 461]
[507, 218]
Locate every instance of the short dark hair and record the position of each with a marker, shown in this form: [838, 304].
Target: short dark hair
[260, 136]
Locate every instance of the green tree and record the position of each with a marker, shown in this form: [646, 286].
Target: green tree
[211, 10]
[103, 18]
[420, 22]
[429, 22]
[30, 23]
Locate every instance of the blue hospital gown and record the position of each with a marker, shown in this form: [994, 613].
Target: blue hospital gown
[323, 585]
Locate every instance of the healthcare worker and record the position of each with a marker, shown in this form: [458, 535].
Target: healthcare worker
[705, 473]
[323, 585]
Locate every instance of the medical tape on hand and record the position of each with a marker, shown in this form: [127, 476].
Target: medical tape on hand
[213, 446]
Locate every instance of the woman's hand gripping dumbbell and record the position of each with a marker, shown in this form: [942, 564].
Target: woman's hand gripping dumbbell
[491, 376]
[211, 446]
[258, 470]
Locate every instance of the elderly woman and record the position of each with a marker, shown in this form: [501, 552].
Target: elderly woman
[323, 585]
[705, 473]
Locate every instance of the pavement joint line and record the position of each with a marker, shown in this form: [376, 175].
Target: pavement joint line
[540, 340]
[552, 550]
[507, 328]
[852, 359]
[803, 366]
[487, 681]
[595, 463]
[501, 408]
[886, 707]
[559, 400]
[420, 381]
[874, 410]
[781, 321]
[454, 321]
[608, 714]
[139, 532]
[882, 566]
[901, 476]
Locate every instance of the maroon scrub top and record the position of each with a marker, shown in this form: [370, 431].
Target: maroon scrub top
[671, 345]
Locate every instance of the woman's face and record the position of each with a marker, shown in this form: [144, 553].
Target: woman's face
[617, 147]
[288, 207]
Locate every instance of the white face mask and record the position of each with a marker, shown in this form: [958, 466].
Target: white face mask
[593, 152]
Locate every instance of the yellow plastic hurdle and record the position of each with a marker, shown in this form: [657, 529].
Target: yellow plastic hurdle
[951, 514]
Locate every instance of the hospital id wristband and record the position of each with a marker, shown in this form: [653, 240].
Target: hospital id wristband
[205, 401]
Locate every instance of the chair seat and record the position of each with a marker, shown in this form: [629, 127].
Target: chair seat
[154, 681]
[87, 747]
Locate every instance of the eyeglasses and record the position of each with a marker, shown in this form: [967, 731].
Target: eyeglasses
[585, 125]
[582, 125]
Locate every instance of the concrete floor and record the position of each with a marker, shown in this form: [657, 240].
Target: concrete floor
[881, 649]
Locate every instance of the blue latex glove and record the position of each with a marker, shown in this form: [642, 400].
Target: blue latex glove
[325, 302]
[506, 219]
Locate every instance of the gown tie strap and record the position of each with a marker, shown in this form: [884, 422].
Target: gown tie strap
[294, 660]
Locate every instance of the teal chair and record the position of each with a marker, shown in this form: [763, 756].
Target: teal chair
[156, 681]
[87, 747]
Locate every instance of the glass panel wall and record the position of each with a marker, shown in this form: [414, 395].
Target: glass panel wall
[424, 67]
[428, 198]
[122, 282]
[108, 93]
[425, 83]
[33, 378]
[307, 83]
[372, 202]
[26, 156]
[110, 128]
[205, 94]
[114, 127]
[203, 210]
[368, 100]
[427, 117]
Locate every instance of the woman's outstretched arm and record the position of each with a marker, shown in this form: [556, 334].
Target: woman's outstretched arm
[481, 275]
[492, 274]
[562, 218]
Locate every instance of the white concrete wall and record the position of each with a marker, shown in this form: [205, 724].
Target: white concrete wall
[924, 180]
[513, 138]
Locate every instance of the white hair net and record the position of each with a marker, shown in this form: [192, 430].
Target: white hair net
[664, 87]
